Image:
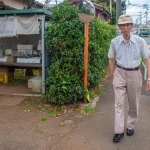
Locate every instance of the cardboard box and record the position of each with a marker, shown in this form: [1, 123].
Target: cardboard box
[12, 59]
[25, 46]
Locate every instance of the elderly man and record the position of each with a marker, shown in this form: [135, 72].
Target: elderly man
[126, 50]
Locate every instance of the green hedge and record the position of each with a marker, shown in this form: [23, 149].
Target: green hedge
[65, 40]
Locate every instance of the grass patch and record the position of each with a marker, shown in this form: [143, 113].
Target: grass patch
[44, 119]
[87, 110]
[37, 104]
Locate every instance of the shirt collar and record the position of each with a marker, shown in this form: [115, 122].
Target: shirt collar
[132, 39]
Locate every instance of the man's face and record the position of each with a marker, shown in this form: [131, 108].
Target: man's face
[126, 28]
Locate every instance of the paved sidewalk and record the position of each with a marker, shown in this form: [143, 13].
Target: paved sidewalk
[21, 130]
[96, 132]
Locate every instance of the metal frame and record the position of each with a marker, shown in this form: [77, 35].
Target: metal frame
[26, 12]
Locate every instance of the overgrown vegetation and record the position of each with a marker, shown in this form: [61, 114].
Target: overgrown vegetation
[65, 41]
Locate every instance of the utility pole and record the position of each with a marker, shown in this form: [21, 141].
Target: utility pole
[118, 9]
[146, 7]
[118, 13]
[110, 8]
[146, 16]
[140, 18]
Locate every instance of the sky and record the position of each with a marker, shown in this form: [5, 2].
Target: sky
[136, 7]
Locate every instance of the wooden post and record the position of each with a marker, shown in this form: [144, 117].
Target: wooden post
[86, 59]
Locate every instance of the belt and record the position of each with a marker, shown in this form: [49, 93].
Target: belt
[129, 69]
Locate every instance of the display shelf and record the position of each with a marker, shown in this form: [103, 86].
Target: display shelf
[21, 65]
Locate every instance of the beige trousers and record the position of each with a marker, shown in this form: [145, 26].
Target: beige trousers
[127, 85]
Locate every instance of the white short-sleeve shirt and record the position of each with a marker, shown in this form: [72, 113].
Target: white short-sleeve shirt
[128, 54]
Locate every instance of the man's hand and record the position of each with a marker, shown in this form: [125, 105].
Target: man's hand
[147, 62]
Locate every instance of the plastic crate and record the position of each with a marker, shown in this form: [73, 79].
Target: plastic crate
[6, 77]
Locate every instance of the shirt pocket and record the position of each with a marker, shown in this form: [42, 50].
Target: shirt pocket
[118, 53]
[136, 54]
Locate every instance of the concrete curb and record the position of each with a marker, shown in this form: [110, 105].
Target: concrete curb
[16, 94]
[92, 103]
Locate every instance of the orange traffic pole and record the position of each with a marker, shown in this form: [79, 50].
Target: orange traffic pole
[86, 58]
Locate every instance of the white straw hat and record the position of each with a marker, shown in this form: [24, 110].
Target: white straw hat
[123, 19]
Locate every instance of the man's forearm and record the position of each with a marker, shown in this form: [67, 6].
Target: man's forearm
[111, 66]
[147, 62]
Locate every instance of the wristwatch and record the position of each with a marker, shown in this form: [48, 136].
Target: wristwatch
[148, 79]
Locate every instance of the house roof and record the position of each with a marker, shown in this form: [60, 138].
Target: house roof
[26, 11]
[102, 8]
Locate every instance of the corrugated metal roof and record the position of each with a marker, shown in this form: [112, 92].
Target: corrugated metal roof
[25, 12]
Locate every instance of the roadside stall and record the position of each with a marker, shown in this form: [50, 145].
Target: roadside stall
[22, 45]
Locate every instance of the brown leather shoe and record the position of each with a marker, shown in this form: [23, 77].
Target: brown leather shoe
[117, 137]
[130, 132]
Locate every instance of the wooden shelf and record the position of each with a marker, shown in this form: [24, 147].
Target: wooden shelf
[21, 65]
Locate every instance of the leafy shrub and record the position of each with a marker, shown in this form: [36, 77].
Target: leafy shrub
[65, 40]
[100, 35]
